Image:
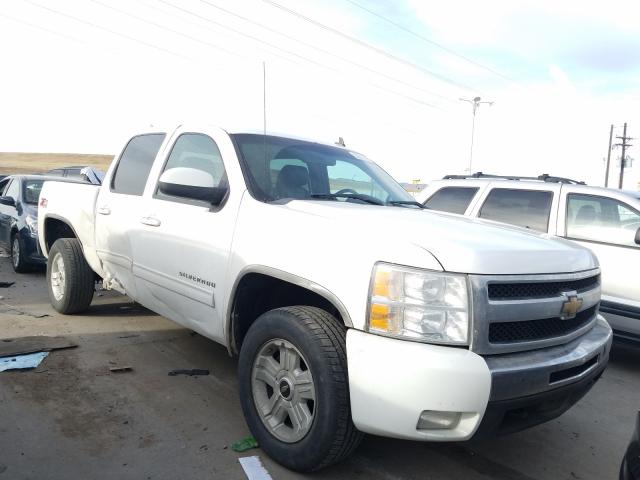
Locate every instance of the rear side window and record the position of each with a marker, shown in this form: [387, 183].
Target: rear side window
[524, 208]
[135, 163]
[451, 199]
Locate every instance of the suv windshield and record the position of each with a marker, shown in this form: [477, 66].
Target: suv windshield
[284, 168]
[32, 191]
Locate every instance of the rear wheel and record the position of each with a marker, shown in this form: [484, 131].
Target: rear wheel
[69, 277]
[294, 388]
[18, 260]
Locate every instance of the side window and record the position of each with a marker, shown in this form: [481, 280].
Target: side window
[198, 151]
[13, 190]
[451, 199]
[601, 219]
[135, 163]
[3, 185]
[524, 208]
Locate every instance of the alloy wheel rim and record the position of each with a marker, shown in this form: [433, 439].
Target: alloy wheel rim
[58, 279]
[283, 390]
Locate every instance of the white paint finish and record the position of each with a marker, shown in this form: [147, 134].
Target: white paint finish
[392, 381]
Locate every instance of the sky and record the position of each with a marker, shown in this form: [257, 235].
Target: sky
[80, 76]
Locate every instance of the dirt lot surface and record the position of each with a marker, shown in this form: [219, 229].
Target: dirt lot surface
[25, 163]
[73, 419]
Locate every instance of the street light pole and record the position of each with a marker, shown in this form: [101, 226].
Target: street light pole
[475, 104]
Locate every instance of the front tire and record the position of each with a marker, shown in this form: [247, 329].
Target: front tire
[69, 278]
[18, 260]
[294, 388]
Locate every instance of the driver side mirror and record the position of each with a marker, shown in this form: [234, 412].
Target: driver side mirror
[638, 237]
[8, 201]
[193, 184]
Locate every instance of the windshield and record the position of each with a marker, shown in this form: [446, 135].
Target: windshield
[284, 168]
[32, 191]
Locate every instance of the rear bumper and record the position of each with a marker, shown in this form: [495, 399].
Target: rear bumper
[393, 381]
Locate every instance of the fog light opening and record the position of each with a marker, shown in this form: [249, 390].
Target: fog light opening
[438, 420]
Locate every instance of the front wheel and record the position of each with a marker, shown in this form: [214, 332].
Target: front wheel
[294, 388]
[69, 277]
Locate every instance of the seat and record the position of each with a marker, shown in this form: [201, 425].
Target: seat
[293, 182]
[586, 215]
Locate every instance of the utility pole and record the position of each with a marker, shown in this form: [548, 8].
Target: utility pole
[623, 158]
[475, 104]
[606, 175]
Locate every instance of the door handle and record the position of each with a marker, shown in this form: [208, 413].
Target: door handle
[104, 210]
[151, 221]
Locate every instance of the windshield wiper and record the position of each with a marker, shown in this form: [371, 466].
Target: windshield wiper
[406, 202]
[355, 196]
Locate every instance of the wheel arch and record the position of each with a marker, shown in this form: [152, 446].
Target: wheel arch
[55, 227]
[273, 288]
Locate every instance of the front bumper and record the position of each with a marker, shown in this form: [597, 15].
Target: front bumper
[393, 381]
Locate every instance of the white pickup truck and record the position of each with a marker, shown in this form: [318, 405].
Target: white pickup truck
[351, 309]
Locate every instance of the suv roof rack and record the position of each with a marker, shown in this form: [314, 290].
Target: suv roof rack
[545, 177]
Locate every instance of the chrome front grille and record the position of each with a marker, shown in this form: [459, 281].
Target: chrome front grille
[514, 313]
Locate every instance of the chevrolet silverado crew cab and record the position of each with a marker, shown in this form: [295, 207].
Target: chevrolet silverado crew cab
[352, 309]
[605, 220]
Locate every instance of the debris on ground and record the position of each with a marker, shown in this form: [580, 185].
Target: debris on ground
[253, 468]
[41, 343]
[122, 369]
[6, 284]
[22, 362]
[245, 444]
[129, 336]
[189, 371]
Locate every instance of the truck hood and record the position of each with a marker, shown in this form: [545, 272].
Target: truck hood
[460, 244]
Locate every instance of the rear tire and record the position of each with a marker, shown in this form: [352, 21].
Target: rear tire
[18, 260]
[70, 280]
[294, 388]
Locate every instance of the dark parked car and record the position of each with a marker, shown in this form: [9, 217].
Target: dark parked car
[87, 174]
[630, 469]
[19, 219]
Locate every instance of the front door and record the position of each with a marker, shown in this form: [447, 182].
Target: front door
[182, 249]
[608, 226]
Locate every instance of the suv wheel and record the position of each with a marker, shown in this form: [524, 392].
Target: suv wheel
[69, 277]
[294, 388]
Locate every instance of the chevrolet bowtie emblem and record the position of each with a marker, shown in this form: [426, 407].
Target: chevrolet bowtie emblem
[570, 307]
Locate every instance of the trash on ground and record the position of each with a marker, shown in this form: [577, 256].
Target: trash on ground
[22, 362]
[253, 468]
[42, 343]
[245, 444]
[129, 336]
[189, 371]
[123, 369]
[6, 284]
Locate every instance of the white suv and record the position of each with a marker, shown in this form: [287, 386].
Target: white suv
[605, 220]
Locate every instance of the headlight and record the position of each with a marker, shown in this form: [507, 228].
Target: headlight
[419, 304]
[32, 224]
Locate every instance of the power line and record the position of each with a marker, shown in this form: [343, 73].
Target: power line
[44, 29]
[371, 47]
[113, 32]
[163, 27]
[256, 39]
[429, 41]
[326, 52]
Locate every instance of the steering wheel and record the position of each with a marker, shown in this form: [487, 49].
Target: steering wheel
[346, 190]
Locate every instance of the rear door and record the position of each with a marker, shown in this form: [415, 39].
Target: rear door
[607, 224]
[181, 246]
[118, 208]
